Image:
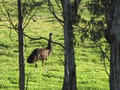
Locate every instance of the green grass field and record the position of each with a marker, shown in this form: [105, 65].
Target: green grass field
[90, 71]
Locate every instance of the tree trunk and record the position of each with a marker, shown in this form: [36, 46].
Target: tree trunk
[21, 49]
[70, 68]
[115, 49]
[115, 67]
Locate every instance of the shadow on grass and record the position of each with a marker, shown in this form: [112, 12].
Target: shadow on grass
[2, 87]
[50, 75]
[4, 46]
[91, 88]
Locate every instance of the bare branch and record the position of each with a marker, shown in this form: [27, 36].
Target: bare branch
[30, 13]
[76, 4]
[32, 38]
[8, 16]
[6, 26]
[56, 1]
[62, 3]
[98, 45]
[106, 68]
[51, 8]
[31, 18]
[10, 34]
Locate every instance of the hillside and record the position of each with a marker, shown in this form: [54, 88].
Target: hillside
[90, 71]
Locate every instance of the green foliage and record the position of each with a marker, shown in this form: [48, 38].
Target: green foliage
[95, 22]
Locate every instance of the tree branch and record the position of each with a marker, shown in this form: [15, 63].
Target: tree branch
[32, 38]
[62, 3]
[51, 8]
[31, 18]
[56, 1]
[8, 15]
[98, 45]
[106, 68]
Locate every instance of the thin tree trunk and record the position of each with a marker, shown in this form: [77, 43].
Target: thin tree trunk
[70, 68]
[21, 49]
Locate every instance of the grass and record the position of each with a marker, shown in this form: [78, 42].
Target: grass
[89, 68]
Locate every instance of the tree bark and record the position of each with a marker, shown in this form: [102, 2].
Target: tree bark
[114, 79]
[115, 67]
[21, 49]
[70, 68]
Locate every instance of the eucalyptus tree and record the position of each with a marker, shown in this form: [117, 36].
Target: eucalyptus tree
[70, 17]
[104, 22]
[114, 37]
